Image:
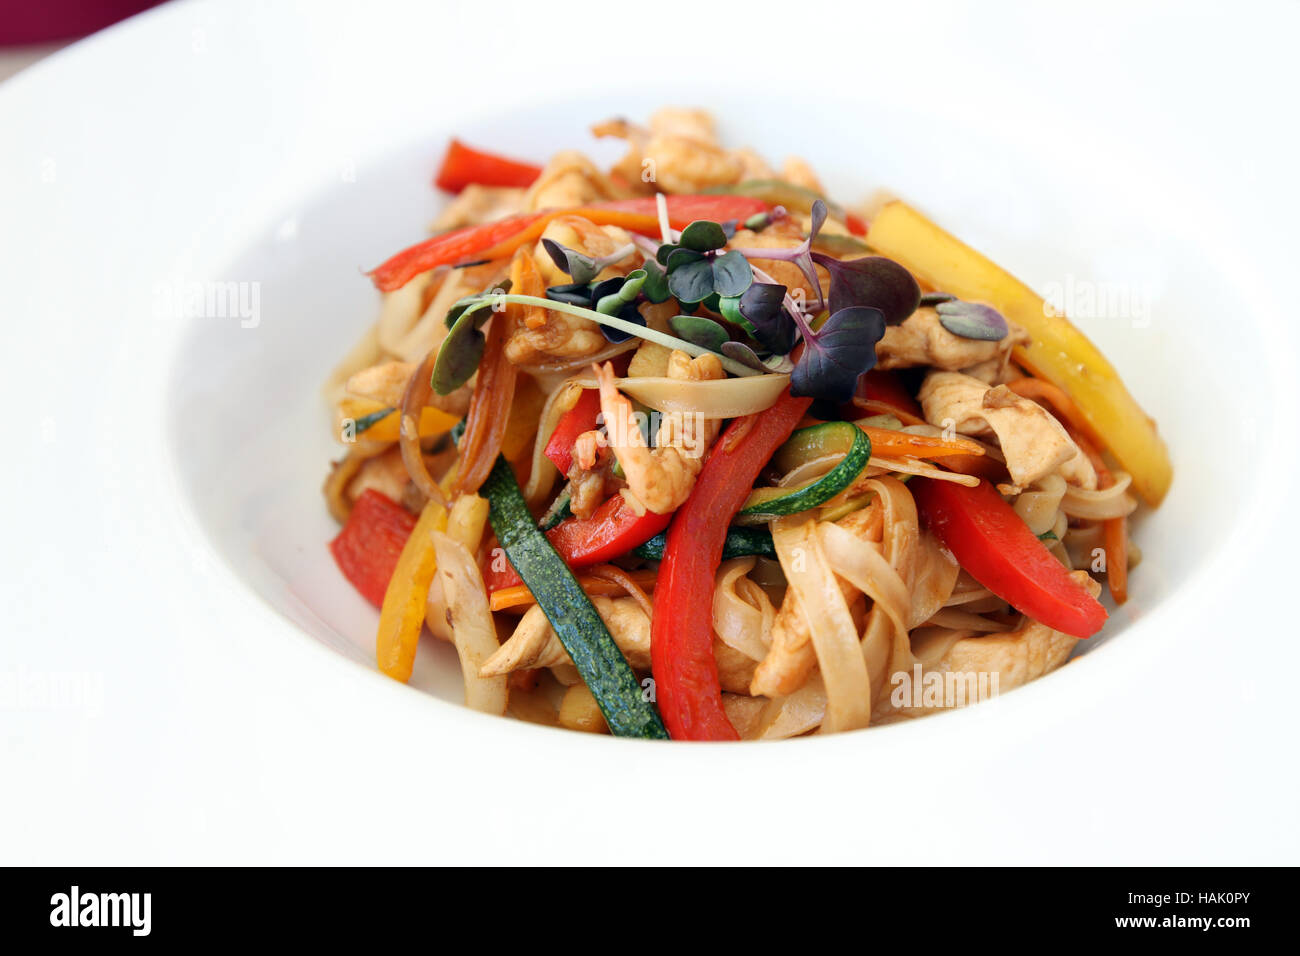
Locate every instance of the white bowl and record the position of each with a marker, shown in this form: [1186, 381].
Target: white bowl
[167, 493]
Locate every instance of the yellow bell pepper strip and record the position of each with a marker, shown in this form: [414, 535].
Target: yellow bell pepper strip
[372, 426]
[402, 616]
[1060, 353]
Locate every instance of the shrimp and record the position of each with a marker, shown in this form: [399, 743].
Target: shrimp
[660, 479]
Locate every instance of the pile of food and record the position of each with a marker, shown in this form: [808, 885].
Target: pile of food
[683, 448]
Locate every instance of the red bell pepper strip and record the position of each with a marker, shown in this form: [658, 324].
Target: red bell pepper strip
[367, 548]
[681, 629]
[612, 530]
[463, 165]
[855, 224]
[580, 418]
[496, 240]
[990, 541]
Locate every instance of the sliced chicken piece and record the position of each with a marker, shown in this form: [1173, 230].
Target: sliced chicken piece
[998, 662]
[385, 473]
[534, 644]
[477, 204]
[569, 179]
[1033, 442]
[922, 340]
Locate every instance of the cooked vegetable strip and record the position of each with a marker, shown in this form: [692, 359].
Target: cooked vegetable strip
[613, 530]
[500, 239]
[575, 621]
[375, 422]
[740, 542]
[489, 410]
[991, 542]
[402, 615]
[888, 443]
[520, 596]
[808, 446]
[578, 419]
[368, 547]
[463, 165]
[1059, 352]
[681, 635]
[1114, 531]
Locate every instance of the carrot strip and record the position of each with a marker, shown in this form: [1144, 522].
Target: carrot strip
[874, 406]
[887, 443]
[519, 596]
[1114, 531]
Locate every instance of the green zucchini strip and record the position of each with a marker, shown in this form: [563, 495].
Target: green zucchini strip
[807, 444]
[739, 543]
[584, 635]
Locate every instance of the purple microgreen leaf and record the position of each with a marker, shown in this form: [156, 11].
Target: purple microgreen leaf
[759, 310]
[972, 320]
[819, 214]
[700, 331]
[731, 274]
[872, 281]
[841, 350]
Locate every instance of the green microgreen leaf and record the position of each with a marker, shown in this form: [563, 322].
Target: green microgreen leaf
[732, 274]
[972, 320]
[703, 235]
[655, 287]
[700, 330]
[692, 281]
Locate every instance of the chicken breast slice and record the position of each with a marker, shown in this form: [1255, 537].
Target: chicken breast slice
[1033, 442]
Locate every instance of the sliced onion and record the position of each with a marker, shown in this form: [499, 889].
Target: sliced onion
[416, 396]
[716, 398]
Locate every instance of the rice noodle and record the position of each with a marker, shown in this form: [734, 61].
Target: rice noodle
[742, 612]
[963, 620]
[834, 636]
[1039, 504]
[912, 466]
[1112, 502]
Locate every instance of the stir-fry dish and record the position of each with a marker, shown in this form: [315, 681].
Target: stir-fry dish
[685, 449]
